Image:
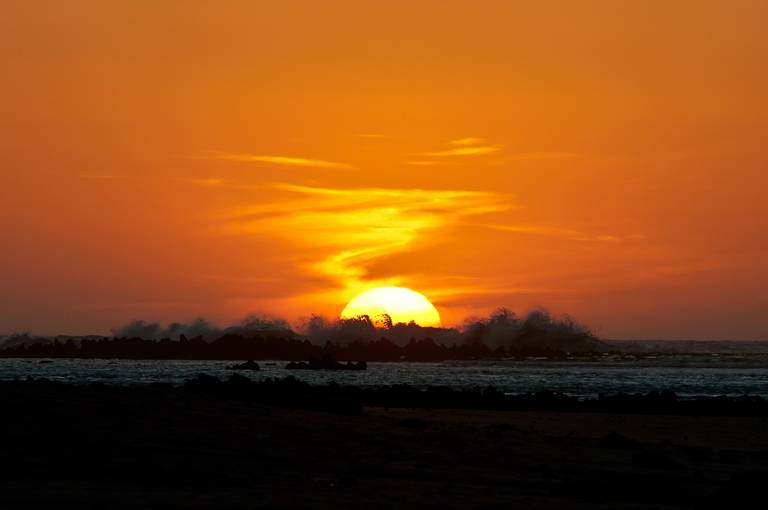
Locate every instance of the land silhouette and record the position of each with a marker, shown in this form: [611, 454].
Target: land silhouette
[283, 443]
[501, 335]
[237, 443]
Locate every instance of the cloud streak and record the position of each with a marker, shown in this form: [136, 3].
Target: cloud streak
[468, 141]
[464, 151]
[573, 235]
[469, 146]
[344, 230]
[431, 162]
[283, 161]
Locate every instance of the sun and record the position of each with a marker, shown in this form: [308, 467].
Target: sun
[400, 303]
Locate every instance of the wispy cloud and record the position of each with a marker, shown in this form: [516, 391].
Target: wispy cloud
[473, 146]
[350, 239]
[464, 151]
[469, 146]
[468, 141]
[573, 235]
[431, 162]
[283, 160]
[344, 230]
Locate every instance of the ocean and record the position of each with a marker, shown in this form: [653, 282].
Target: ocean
[687, 375]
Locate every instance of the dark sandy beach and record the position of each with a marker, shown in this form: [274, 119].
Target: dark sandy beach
[163, 447]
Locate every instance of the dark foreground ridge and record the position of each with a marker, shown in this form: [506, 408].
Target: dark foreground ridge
[286, 444]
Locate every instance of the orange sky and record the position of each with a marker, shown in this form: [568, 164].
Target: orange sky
[165, 160]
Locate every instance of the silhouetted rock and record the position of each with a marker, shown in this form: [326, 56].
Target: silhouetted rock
[247, 365]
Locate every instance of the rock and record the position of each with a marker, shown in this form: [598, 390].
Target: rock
[247, 365]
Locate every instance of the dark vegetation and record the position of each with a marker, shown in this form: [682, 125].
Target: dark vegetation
[502, 335]
[285, 444]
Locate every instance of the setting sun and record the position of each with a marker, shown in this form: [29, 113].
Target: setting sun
[400, 303]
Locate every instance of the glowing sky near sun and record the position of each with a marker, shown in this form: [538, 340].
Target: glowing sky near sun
[603, 159]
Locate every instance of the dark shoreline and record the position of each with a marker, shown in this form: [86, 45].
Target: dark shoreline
[286, 444]
[290, 348]
[291, 393]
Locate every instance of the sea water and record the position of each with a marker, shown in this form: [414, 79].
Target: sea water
[688, 376]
